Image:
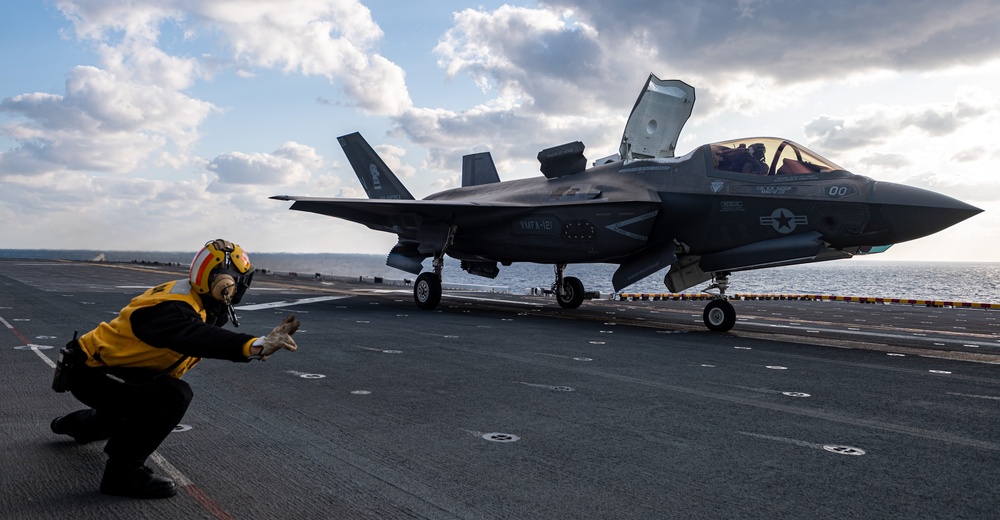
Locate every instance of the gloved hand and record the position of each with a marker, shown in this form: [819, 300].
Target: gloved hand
[279, 338]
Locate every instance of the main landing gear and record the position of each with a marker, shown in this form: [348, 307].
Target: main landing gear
[427, 291]
[568, 290]
[719, 315]
[427, 288]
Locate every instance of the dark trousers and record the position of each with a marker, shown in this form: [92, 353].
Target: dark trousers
[134, 416]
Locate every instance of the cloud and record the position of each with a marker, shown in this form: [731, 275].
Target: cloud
[134, 107]
[971, 191]
[288, 165]
[393, 157]
[104, 123]
[75, 210]
[536, 56]
[330, 38]
[873, 124]
[745, 56]
[791, 42]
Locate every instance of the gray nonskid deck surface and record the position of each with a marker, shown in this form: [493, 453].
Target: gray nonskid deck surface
[499, 406]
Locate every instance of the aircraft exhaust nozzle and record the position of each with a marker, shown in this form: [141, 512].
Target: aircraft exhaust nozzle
[912, 213]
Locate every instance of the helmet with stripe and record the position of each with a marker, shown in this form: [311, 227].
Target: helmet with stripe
[221, 269]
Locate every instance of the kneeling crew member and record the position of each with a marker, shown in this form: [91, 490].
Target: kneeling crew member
[128, 371]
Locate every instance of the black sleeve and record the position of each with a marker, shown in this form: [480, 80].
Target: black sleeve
[175, 325]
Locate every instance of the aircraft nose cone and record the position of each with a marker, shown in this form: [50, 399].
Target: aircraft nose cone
[915, 212]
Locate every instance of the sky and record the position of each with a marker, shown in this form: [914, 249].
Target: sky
[161, 124]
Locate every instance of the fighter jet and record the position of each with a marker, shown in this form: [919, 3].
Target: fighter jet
[722, 208]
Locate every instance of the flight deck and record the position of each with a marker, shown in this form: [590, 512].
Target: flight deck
[506, 406]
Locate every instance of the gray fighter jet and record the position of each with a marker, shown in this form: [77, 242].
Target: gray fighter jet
[721, 208]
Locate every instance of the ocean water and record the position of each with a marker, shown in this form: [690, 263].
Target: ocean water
[961, 281]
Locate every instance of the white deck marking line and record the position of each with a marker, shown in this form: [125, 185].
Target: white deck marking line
[530, 304]
[45, 358]
[170, 470]
[856, 332]
[288, 303]
[975, 396]
[455, 296]
[191, 488]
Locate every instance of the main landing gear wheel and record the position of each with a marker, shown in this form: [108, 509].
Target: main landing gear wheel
[720, 316]
[427, 291]
[571, 295]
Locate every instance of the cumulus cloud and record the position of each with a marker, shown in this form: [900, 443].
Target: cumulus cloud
[547, 74]
[104, 123]
[392, 155]
[536, 56]
[289, 164]
[114, 117]
[330, 38]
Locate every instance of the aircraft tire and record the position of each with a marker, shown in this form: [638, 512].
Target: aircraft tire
[720, 316]
[427, 291]
[573, 293]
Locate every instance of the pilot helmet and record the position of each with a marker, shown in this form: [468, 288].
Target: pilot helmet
[222, 270]
[758, 150]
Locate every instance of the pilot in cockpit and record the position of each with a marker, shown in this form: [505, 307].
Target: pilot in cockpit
[754, 164]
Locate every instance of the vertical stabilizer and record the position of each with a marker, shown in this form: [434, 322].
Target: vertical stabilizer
[378, 180]
[478, 168]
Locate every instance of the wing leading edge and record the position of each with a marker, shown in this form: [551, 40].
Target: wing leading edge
[394, 215]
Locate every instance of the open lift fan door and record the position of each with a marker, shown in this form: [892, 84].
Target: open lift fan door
[657, 118]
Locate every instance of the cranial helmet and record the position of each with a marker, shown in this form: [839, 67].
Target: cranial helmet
[221, 269]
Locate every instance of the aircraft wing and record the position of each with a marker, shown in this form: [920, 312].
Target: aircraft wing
[397, 215]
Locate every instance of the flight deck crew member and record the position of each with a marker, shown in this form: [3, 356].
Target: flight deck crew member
[128, 372]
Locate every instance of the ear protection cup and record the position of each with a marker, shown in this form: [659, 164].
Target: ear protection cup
[223, 287]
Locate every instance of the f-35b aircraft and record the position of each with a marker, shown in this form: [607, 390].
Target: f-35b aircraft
[721, 208]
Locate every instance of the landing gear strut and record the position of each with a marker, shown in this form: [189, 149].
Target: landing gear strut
[569, 290]
[720, 316]
[427, 288]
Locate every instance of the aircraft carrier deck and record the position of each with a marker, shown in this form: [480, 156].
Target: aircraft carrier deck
[503, 406]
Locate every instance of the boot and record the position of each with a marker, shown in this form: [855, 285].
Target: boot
[135, 482]
[73, 425]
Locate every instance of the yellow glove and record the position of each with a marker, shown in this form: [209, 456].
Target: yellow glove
[279, 338]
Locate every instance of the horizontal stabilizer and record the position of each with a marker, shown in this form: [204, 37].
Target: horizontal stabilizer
[378, 180]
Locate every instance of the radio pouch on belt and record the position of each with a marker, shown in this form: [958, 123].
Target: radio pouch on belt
[68, 356]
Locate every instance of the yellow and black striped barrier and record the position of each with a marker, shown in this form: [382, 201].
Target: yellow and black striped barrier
[805, 297]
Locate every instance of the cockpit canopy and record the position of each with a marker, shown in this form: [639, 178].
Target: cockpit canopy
[768, 156]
